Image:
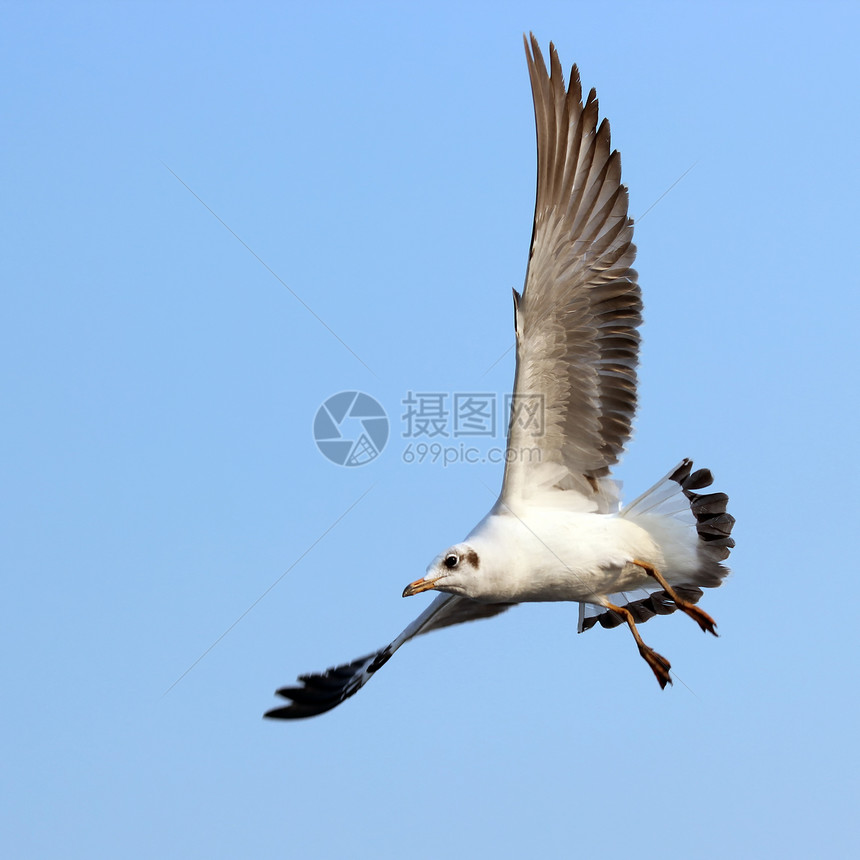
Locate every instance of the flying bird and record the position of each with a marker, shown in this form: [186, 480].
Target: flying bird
[558, 530]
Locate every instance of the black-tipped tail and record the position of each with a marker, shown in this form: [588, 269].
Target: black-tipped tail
[713, 523]
[713, 527]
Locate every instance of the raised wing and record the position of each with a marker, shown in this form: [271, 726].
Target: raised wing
[320, 692]
[577, 320]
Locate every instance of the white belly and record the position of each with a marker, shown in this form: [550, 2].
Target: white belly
[559, 555]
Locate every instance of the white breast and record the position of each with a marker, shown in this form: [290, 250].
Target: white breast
[549, 555]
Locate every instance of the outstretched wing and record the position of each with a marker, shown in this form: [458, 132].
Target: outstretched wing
[577, 320]
[320, 692]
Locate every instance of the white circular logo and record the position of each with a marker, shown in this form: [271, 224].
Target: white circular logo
[351, 428]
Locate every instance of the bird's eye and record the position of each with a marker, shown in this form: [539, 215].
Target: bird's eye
[451, 561]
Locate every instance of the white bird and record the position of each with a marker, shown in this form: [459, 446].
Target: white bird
[557, 530]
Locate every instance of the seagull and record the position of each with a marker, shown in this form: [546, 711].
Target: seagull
[558, 530]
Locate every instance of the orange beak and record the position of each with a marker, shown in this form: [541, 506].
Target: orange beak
[418, 586]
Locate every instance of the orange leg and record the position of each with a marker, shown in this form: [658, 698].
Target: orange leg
[659, 664]
[698, 615]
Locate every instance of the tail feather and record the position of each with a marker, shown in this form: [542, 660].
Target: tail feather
[657, 603]
[675, 496]
[713, 522]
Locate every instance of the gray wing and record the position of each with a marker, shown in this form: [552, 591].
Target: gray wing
[577, 320]
[322, 691]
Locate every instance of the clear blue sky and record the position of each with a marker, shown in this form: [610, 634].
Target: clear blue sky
[159, 387]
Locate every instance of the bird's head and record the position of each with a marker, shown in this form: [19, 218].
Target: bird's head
[457, 571]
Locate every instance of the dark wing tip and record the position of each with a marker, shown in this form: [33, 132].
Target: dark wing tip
[296, 712]
[533, 52]
[322, 691]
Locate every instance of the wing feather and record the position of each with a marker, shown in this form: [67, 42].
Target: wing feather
[578, 317]
[318, 692]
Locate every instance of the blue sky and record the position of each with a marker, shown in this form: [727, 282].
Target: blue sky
[160, 379]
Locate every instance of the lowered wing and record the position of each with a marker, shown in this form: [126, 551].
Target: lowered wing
[320, 692]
